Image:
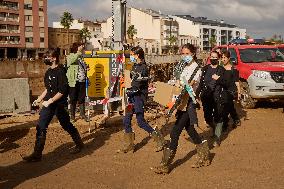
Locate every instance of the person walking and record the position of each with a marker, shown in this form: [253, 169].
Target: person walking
[54, 101]
[76, 74]
[212, 94]
[231, 76]
[137, 96]
[186, 116]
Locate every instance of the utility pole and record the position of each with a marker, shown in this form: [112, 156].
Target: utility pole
[119, 24]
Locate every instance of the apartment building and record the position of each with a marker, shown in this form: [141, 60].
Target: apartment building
[93, 27]
[210, 32]
[152, 26]
[58, 39]
[23, 28]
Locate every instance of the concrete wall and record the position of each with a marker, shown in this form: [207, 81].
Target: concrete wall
[14, 95]
[22, 69]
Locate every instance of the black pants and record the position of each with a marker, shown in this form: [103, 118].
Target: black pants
[46, 115]
[183, 121]
[78, 93]
[213, 109]
[230, 109]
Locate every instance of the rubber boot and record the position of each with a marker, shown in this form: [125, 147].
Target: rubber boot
[159, 139]
[128, 143]
[79, 145]
[203, 155]
[218, 132]
[164, 167]
[82, 113]
[72, 112]
[37, 153]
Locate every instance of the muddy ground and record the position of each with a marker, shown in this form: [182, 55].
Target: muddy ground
[250, 156]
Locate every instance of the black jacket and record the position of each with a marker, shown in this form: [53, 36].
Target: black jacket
[55, 81]
[218, 92]
[139, 70]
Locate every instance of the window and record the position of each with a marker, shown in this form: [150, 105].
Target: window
[41, 29]
[40, 8]
[28, 6]
[42, 40]
[28, 28]
[29, 39]
[41, 19]
[28, 17]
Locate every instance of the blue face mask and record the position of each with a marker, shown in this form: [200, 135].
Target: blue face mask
[187, 58]
[132, 59]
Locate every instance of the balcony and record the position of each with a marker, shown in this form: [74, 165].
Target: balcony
[4, 31]
[10, 42]
[16, 8]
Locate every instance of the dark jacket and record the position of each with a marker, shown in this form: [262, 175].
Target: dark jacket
[55, 81]
[218, 91]
[139, 70]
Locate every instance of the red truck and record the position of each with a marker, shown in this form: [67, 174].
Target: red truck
[261, 69]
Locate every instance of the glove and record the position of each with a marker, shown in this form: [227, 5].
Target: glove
[47, 103]
[131, 91]
[36, 102]
[135, 75]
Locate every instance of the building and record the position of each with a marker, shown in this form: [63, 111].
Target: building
[210, 32]
[93, 27]
[58, 38]
[23, 28]
[184, 39]
[150, 25]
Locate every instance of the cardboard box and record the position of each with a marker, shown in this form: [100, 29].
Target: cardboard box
[165, 93]
[127, 79]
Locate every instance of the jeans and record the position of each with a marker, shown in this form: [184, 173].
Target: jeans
[183, 121]
[46, 115]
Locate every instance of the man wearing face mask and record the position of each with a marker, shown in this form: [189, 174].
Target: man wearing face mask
[54, 101]
[211, 91]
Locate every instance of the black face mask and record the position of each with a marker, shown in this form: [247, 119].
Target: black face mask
[214, 61]
[47, 62]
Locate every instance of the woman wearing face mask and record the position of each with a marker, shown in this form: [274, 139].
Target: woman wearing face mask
[54, 101]
[231, 76]
[186, 114]
[137, 96]
[211, 91]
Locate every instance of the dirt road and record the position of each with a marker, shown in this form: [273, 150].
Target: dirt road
[250, 156]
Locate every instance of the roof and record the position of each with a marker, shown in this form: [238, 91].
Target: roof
[248, 46]
[205, 21]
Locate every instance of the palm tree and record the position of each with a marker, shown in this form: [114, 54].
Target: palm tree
[172, 39]
[212, 41]
[131, 32]
[66, 21]
[85, 34]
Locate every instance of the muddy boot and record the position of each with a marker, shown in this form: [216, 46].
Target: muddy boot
[72, 112]
[39, 146]
[159, 139]
[79, 145]
[128, 143]
[203, 155]
[218, 132]
[164, 167]
[82, 113]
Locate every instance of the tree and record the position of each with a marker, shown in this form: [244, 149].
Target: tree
[172, 39]
[85, 34]
[66, 21]
[131, 32]
[212, 41]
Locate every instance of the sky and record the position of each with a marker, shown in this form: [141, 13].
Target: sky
[261, 18]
